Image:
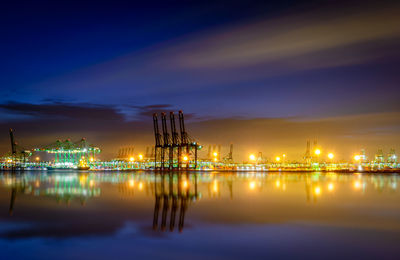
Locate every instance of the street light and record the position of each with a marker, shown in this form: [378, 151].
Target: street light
[252, 157]
[278, 159]
[140, 160]
[215, 154]
[131, 159]
[185, 158]
[331, 155]
[317, 152]
[357, 157]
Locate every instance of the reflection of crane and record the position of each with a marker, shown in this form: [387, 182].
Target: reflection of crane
[171, 201]
[15, 188]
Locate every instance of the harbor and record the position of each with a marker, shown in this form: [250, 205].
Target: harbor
[175, 150]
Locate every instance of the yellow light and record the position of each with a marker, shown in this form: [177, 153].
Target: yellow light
[91, 159]
[331, 155]
[91, 183]
[252, 157]
[131, 159]
[317, 151]
[37, 158]
[331, 187]
[215, 159]
[277, 183]
[140, 186]
[357, 157]
[185, 184]
[185, 158]
[357, 185]
[277, 158]
[283, 155]
[140, 156]
[252, 185]
[317, 190]
[215, 154]
[131, 183]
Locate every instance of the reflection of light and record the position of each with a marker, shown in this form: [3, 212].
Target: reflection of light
[252, 185]
[317, 190]
[331, 187]
[131, 183]
[277, 183]
[215, 186]
[91, 183]
[284, 186]
[37, 184]
[82, 179]
[185, 184]
[357, 185]
[140, 186]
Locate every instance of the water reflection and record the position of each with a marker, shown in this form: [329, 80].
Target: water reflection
[71, 186]
[232, 215]
[171, 196]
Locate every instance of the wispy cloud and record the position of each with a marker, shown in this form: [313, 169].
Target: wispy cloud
[281, 40]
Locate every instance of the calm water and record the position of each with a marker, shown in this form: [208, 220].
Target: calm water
[64, 215]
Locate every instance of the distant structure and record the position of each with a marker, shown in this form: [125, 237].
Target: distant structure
[124, 153]
[173, 151]
[70, 154]
[308, 154]
[379, 158]
[18, 154]
[229, 157]
[392, 158]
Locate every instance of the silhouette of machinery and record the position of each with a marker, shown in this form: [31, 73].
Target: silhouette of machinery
[173, 151]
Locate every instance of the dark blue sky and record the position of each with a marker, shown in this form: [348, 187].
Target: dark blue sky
[288, 60]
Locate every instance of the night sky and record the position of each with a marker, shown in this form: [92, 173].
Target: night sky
[263, 75]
